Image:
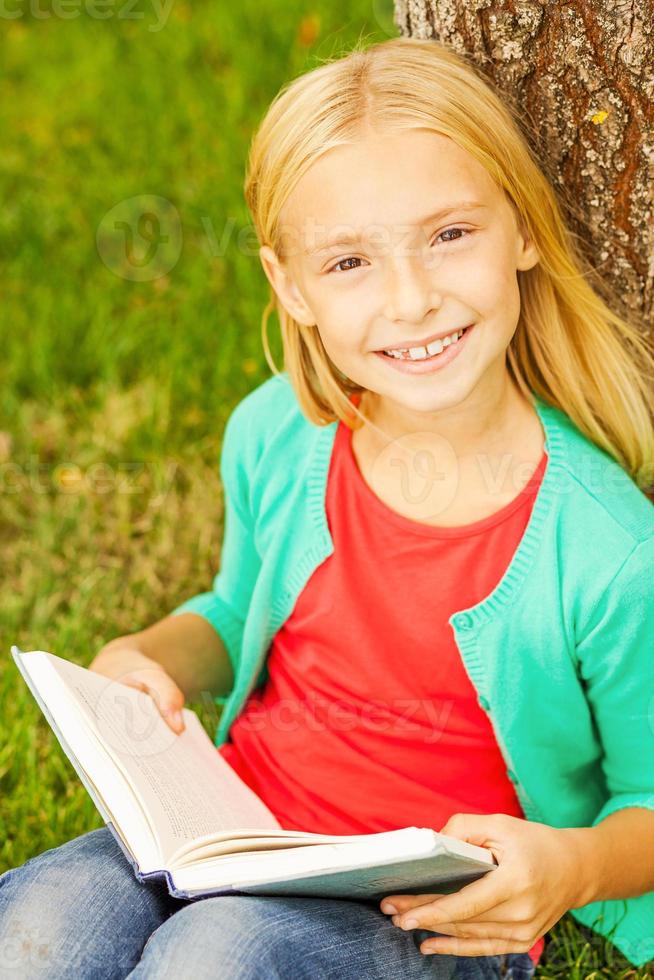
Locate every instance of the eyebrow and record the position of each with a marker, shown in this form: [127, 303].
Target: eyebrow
[356, 238]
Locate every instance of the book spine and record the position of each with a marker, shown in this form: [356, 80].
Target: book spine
[177, 893]
[162, 874]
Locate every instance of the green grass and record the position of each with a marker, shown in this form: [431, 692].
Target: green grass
[114, 392]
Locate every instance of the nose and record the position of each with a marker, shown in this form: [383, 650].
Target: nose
[410, 293]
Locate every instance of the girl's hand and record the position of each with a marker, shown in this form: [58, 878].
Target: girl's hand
[122, 661]
[540, 876]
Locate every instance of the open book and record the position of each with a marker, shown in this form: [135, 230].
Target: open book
[180, 812]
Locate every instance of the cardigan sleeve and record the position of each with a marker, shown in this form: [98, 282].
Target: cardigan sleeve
[225, 605]
[616, 658]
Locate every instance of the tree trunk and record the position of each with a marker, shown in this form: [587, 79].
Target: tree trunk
[581, 75]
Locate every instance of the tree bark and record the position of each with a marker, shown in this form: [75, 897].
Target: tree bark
[581, 76]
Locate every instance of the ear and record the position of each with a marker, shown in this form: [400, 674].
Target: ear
[527, 254]
[285, 287]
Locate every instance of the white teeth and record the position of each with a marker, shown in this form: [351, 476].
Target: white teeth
[420, 353]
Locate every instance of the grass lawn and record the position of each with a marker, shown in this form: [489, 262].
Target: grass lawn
[115, 387]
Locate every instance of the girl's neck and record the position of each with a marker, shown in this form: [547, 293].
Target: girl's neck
[458, 472]
[489, 421]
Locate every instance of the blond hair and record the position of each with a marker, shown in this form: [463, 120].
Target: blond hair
[570, 347]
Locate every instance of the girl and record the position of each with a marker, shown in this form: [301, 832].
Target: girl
[435, 602]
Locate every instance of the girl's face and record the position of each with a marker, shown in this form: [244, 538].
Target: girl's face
[405, 275]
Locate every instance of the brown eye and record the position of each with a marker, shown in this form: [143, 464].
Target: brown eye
[462, 233]
[350, 258]
[447, 231]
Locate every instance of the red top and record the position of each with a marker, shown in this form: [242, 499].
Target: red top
[368, 720]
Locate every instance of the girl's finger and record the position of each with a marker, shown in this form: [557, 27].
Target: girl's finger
[477, 930]
[473, 900]
[400, 903]
[471, 947]
[165, 693]
[502, 913]
[175, 720]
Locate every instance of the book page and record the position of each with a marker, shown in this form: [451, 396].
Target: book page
[103, 780]
[398, 858]
[184, 783]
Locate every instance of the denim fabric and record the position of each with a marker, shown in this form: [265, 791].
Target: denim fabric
[77, 911]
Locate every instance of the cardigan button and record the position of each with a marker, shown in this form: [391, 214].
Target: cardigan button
[512, 776]
[485, 703]
[464, 621]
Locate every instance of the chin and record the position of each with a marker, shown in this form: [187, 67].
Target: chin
[435, 398]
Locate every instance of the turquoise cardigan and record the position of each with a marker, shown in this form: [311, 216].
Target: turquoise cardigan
[560, 652]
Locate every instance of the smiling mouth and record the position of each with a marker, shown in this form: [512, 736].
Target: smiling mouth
[427, 352]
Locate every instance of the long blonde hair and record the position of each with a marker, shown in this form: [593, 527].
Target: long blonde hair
[570, 347]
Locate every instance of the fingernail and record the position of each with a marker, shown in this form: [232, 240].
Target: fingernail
[409, 923]
[389, 908]
[173, 718]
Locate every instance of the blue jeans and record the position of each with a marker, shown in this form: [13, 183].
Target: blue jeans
[77, 911]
